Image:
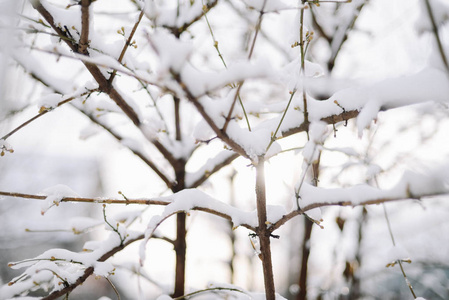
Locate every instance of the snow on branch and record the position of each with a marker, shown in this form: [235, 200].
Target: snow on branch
[413, 185]
[366, 102]
[62, 270]
[194, 199]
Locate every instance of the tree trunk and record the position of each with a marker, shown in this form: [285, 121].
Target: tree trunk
[180, 249]
[263, 232]
[302, 295]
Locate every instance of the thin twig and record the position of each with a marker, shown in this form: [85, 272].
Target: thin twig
[250, 54]
[214, 289]
[228, 118]
[127, 45]
[273, 137]
[394, 244]
[41, 113]
[437, 36]
[114, 288]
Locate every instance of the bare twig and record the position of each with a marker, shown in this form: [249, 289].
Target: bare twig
[114, 288]
[250, 54]
[209, 290]
[390, 230]
[437, 36]
[127, 44]
[42, 112]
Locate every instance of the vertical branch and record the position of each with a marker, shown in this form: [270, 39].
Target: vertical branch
[181, 231]
[231, 232]
[84, 39]
[303, 53]
[177, 118]
[355, 291]
[262, 230]
[308, 226]
[180, 249]
[394, 244]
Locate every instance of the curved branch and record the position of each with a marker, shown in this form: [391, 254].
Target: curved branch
[89, 271]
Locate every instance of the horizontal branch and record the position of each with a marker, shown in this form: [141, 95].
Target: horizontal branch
[125, 202]
[306, 208]
[334, 119]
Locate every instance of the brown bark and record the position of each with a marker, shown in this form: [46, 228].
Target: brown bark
[263, 232]
[308, 226]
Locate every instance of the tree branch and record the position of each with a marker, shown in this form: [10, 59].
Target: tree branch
[89, 271]
[127, 45]
[263, 232]
[142, 156]
[85, 18]
[295, 213]
[334, 119]
[177, 31]
[126, 202]
[103, 83]
[42, 112]
[437, 36]
[215, 169]
[222, 135]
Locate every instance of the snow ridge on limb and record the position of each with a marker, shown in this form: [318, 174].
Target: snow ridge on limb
[194, 199]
